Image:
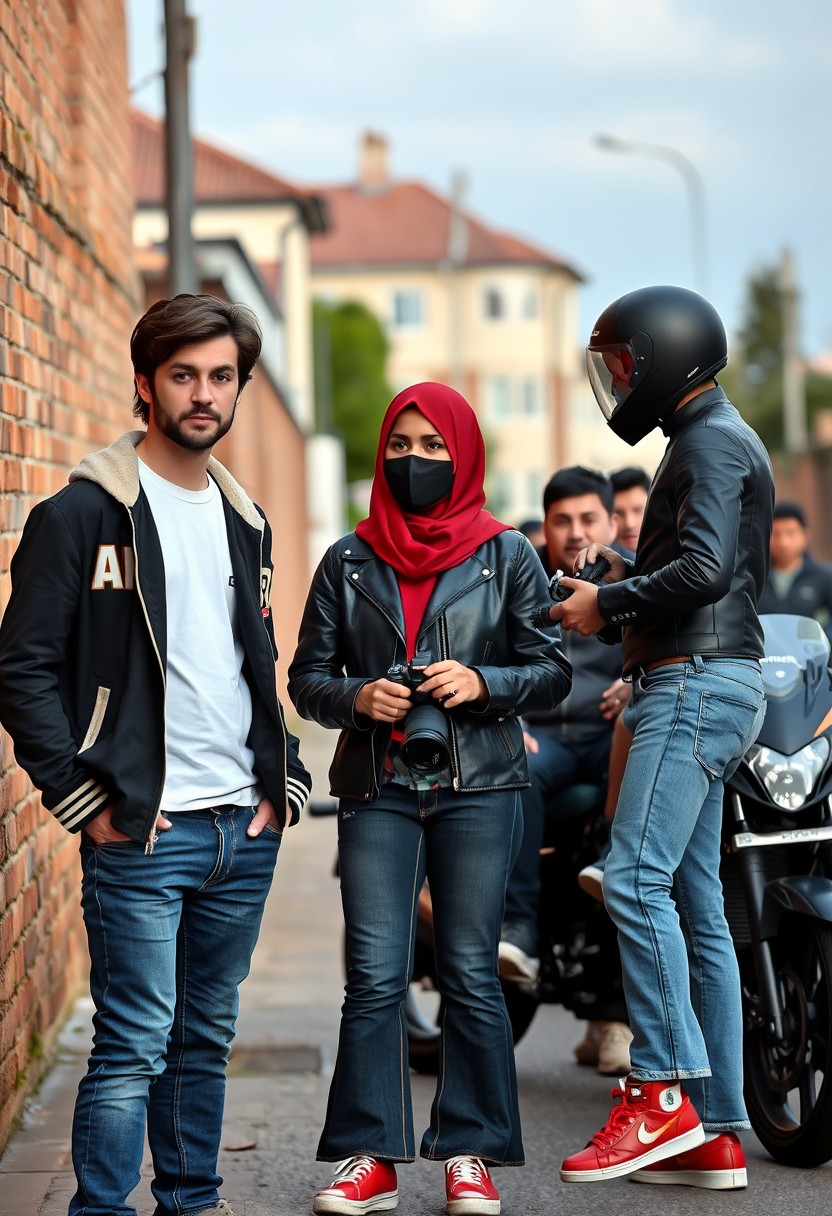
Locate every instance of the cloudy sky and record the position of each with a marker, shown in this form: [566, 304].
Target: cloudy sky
[514, 93]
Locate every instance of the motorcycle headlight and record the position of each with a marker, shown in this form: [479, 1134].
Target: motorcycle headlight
[789, 780]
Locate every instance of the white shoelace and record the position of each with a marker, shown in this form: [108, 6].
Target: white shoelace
[353, 1169]
[466, 1169]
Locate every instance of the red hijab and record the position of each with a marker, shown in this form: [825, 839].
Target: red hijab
[421, 546]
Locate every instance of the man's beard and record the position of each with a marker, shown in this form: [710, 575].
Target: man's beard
[192, 442]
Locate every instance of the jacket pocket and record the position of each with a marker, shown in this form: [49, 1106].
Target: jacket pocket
[510, 750]
[102, 698]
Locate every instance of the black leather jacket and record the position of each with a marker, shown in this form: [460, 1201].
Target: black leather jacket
[703, 551]
[353, 630]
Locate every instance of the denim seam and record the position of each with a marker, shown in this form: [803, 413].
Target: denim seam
[214, 877]
[648, 823]
[369, 1152]
[694, 953]
[509, 1056]
[674, 1074]
[177, 1087]
[486, 1158]
[94, 876]
[403, 1047]
[440, 1084]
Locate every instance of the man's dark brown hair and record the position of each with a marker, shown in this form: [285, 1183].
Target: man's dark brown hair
[170, 324]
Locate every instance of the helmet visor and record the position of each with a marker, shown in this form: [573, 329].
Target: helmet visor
[610, 374]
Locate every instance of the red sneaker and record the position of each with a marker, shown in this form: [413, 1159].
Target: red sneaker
[716, 1165]
[654, 1120]
[469, 1190]
[361, 1184]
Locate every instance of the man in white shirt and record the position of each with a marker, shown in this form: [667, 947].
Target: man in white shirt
[137, 657]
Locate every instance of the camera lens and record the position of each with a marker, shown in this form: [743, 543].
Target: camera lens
[425, 748]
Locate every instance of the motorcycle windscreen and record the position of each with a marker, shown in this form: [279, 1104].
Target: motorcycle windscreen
[792, 644]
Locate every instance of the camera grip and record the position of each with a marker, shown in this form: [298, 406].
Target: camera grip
[593, 572]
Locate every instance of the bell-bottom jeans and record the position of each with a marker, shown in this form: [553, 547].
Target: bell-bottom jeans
[465, 843]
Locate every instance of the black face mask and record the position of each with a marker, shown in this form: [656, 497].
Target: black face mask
[417, 483]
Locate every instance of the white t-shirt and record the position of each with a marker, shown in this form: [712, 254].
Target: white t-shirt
[207, 700]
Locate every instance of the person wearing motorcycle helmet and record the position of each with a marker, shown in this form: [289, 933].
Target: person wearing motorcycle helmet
[686, 610]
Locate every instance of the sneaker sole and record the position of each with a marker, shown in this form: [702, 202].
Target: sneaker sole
[591, 884]
[709, 1180]
[670, 1148]
[513, 964]
[473, 1207]
[355, 1207]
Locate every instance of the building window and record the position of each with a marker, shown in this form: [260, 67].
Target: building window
[494, 304]
[534, 490]
[498, 398]
[501, 490]
[531, 396]
[408, 309]
[530, 308]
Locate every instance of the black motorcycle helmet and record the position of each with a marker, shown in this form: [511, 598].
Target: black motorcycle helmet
[647, 351]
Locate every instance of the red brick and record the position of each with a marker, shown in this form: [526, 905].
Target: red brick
[66, 311]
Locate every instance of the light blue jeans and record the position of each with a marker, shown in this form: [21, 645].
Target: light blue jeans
[170, 937]
[691, 722]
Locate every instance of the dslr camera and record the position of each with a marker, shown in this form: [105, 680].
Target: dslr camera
[426, 745]
[593, 572]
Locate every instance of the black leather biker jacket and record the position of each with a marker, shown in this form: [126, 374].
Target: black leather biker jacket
[353, 630]
[703, 551]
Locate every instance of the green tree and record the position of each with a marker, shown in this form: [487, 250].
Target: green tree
[754, 376]
[351, 389]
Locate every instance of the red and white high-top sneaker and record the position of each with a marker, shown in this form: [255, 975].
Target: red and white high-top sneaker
[716, 1165]
[653, 1120]
[361, 1184]
[469, 1190]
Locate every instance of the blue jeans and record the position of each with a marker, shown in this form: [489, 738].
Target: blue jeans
[692, 722]
[170, 938]
[465, 844]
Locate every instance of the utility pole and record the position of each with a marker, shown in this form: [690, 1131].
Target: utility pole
[180, 45]
[795, 428]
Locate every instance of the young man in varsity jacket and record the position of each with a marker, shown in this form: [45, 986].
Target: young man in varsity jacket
[137, 682]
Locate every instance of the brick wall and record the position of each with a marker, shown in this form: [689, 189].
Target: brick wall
[68, 301]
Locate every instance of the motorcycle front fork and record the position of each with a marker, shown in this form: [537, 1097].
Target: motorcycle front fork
[754, 879]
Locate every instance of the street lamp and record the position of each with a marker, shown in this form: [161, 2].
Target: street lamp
[694, 185]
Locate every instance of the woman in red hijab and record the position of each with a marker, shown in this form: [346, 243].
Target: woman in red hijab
[416, 643]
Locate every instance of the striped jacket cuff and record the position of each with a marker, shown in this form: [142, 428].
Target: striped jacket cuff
[297, 795]
[83, 804]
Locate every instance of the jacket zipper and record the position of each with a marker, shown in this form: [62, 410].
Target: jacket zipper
[286, 811]
[443, 645]
[153, 836]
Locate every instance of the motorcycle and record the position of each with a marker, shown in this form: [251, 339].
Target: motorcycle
[776, 873]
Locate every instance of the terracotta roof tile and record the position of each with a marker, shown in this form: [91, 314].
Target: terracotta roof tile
[408, 224]
[218, 176]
